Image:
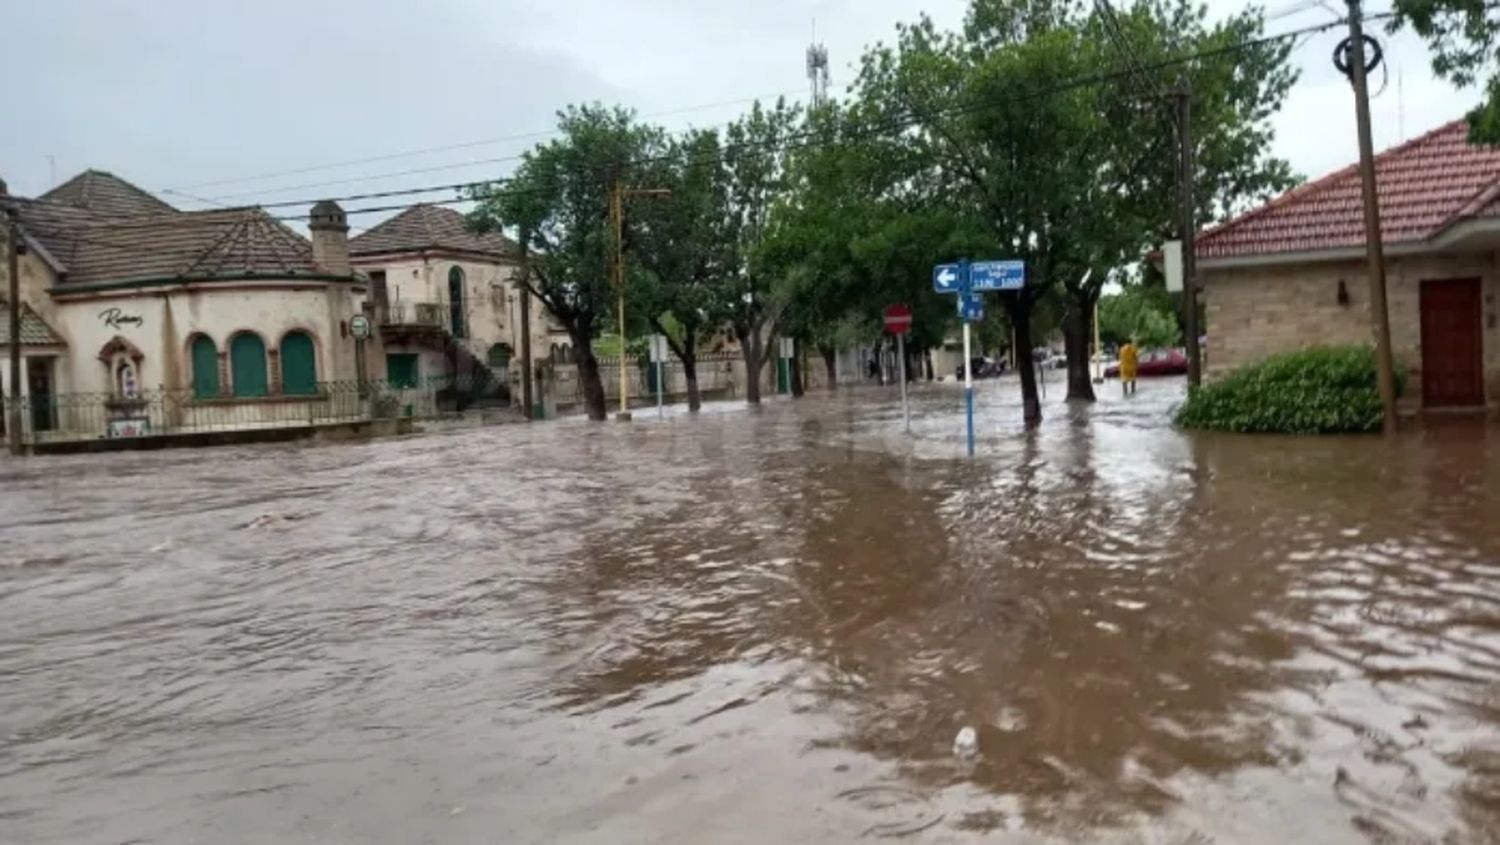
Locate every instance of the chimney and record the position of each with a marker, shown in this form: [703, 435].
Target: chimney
[330, 238]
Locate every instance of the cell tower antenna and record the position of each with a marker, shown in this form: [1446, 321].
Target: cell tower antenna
[817, 69]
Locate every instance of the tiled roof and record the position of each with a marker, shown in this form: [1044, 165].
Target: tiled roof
[186, 244]
[106, 195]
[1425, 185]
[428, 227]
[34, 330]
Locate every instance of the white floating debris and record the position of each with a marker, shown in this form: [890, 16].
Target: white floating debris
[966, 744]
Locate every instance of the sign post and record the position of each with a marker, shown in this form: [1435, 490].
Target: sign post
[968, 281]
[898, 323]
[659, 358]
[359, 329]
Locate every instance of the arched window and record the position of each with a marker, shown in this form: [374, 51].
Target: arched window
[247, 365]
[205, 357]
[456, 323]
[499, 356]
[299, 367]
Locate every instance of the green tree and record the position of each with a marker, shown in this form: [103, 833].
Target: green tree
[1464, 37]
[755, 157]
[558, 199]
[680, 248]
[1139, 312]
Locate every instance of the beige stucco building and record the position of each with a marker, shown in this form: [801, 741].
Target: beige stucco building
[140, 318]
[447, 300]
[1292, 273]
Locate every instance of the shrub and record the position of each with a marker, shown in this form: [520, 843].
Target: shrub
[1322, 390]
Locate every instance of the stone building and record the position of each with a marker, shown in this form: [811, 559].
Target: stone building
[140, 318]
[1291, 274]
[446, 299]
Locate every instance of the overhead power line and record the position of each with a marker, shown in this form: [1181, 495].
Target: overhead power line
[807, 138]
[523, 136]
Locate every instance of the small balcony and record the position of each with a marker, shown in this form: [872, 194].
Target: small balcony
[405, 321]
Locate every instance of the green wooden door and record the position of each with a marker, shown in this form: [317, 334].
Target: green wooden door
[401, 370]
[299, 369]
[247, 365]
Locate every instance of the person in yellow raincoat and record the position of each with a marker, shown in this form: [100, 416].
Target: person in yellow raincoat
[1129, 358]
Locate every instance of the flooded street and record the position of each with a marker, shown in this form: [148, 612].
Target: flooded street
[760, 627]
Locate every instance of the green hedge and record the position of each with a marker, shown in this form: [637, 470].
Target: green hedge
[1323, 390]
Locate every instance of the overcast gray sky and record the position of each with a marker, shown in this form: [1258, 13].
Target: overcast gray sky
[197, 95]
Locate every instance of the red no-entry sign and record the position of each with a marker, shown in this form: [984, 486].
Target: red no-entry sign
[897, 319]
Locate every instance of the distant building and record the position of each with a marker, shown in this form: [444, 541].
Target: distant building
[447, 301]
[140, 318]
[1292, 274]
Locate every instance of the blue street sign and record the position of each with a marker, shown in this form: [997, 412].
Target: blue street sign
[997, 275]
[946, 278]
[970, 307]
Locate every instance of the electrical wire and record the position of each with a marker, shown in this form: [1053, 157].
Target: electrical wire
[812, 137]
[524, 136]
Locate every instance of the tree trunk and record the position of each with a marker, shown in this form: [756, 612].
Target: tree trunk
[588, 377]
[750, 350]
[1076, 325]
[1020, 319]
[830, 365]
[690, 375]
[794, 364]
[927, 362]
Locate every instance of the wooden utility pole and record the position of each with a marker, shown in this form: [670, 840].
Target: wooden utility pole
[526, 400]
[1374, 252]
[617, 195]
[617, 274]
[1185, 177]
[13, 278]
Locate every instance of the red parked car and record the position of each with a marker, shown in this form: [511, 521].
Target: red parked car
[1156, 362]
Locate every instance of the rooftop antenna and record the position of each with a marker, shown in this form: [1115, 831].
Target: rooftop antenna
[817, 69]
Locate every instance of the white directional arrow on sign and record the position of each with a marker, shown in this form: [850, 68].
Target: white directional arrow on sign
[945, 278]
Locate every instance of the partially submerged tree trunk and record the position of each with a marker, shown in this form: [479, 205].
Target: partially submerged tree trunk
[750, 351]
[687, 353]
[927, 362]
[795, 376]
[1019, 309]
[830, 364]
[1076, 325]
[588, 376]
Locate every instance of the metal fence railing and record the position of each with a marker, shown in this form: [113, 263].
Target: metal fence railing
[426, 314]
[164, 412]
[720, 375]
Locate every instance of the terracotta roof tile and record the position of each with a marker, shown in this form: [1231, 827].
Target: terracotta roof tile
[428, 227]
[1425, 185]
[34, 330]
[106, 195]
[185, 244]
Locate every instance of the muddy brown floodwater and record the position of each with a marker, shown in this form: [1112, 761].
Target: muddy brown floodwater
[759, 628]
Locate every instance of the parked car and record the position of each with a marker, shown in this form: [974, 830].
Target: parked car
[980, 368]
[1155, 362]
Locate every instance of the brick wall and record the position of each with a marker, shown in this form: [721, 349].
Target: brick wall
[1255, 312]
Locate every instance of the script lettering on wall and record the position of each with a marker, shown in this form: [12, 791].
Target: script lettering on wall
[115, 318]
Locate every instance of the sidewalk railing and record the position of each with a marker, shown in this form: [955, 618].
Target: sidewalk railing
[169, 411]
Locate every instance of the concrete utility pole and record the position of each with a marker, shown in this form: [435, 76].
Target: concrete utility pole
[13, 277]
[1380, 319]
[1185, 176]
[617, 196]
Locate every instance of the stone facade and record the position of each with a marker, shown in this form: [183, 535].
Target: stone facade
[1255, 311]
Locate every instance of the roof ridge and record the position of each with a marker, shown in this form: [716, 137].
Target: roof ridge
[1322, 182]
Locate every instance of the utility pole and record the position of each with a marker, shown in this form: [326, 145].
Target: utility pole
[617, 196]
[1185, 177]
[526, 399]
[1354, 56]
[13, 278]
